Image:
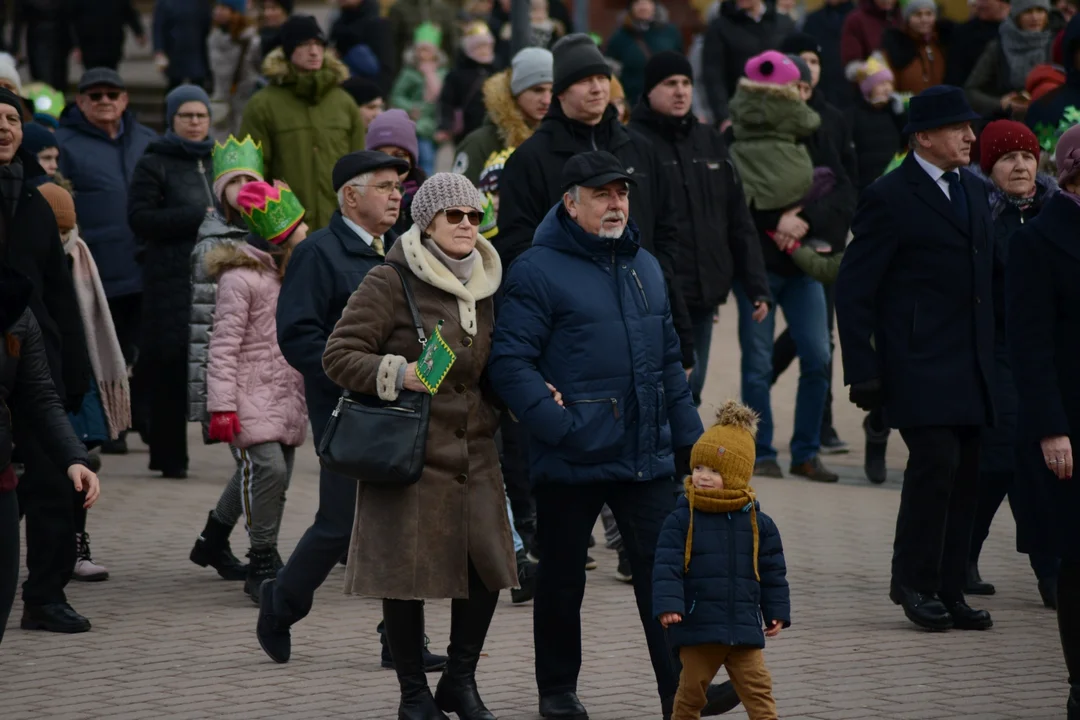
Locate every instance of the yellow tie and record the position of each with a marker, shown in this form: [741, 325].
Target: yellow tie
[376, 244]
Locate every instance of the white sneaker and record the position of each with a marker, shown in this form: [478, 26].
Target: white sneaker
[86, 569]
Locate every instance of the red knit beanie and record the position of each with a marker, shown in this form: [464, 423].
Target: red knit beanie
[1002, 137]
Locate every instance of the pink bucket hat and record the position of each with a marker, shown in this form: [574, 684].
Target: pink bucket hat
[773, 68]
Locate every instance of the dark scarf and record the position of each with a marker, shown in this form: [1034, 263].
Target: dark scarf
[194, 148]
[11, 183]
[1023, 49]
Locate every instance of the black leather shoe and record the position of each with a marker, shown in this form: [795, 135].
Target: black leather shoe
[562, 706]
[719, 699]
[966, 618]
[274, 635]
[974, 584]
[924, 610]
[54, 617]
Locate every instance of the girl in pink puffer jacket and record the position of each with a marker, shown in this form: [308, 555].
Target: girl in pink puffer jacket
[255, 398]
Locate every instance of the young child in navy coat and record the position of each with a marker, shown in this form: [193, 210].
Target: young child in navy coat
[719, 576]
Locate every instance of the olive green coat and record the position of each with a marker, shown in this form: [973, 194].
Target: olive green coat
[768, 121]
[416, 542]
[305, 122]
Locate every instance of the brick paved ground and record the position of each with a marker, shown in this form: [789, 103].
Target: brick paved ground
[172, 641]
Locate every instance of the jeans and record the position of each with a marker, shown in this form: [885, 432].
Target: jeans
[518, 545]
[803, 302]
[318, 550]
[784, 353]
[9, 554]
[701, 320]
[565, 515]
[426, 161]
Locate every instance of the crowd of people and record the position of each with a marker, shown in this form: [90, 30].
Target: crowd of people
[285, 255]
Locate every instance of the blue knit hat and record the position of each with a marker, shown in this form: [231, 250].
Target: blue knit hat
[239, 6]
[181, 95]
[37, 138]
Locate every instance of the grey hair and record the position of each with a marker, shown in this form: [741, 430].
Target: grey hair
[575, 193]
[359, 180]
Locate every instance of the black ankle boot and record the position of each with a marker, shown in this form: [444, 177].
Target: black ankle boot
[469, 622]
[877, 443]
[212, 548]
[262, 567]
[404, 633]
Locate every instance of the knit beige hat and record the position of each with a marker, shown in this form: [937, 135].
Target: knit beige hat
[440, 191]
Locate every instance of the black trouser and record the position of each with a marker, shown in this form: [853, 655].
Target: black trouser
[9, 554]
[46, 498]
[126, 311]
[318, 550]
[48, 45]
[993, 487]
[565, 516]
[1068, 600]
[937, 510]
[784, 354]
[102, 57]
[163, 379]
[515, 467]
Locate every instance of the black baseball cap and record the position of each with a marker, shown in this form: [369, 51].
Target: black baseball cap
[593, 169]
[100, 76]
[363, 161]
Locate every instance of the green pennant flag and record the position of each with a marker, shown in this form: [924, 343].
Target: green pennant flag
[435, 362]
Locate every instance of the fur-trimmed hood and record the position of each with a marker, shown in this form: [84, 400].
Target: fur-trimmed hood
[238, 255]
[486, 276]
[503, 110]
[764, 109]
[278, 70]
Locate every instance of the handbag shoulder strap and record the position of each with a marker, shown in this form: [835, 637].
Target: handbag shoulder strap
[417, 323]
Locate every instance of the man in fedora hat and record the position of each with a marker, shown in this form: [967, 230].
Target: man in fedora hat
[916, 321]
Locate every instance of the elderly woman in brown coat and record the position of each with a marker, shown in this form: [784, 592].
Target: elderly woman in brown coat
[448, 535]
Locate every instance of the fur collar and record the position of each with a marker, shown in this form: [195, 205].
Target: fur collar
[790, 92]
[485, 280]
[238, 255]
[277, 68]
[504, 111]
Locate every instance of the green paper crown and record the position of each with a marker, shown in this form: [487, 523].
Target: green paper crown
[277, 217]
[236, 155]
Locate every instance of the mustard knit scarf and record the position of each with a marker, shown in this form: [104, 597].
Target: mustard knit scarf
[720, 501]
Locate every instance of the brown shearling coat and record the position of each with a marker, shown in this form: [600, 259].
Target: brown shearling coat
[416, 542]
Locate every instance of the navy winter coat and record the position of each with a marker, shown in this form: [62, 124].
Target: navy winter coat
[180, 31]
[100, 170]
[323, 272]
[591, 317]
[719, 598]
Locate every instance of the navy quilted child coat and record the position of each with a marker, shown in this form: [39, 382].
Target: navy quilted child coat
[719, 597]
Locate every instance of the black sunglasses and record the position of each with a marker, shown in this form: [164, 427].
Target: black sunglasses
[113, 95]
[455, 216]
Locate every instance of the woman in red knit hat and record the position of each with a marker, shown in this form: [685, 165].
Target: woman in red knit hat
[1009, 156]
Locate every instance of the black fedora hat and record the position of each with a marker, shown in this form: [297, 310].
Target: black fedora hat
[936, 107]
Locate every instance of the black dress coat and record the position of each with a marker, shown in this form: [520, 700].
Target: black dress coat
[1042, 302]
[167, 202]
[914, 302]
[717, 238]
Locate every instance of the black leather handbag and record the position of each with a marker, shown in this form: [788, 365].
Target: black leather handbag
[375, 441]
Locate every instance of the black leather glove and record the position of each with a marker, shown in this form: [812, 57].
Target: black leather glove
[682, 462]
[867, 395]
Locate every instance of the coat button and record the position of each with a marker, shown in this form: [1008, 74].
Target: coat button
[460, 432]
[467, 342]
[460, 387]
[978, 300]
[462, 479]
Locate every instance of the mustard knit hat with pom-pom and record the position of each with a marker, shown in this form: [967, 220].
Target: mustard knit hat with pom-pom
[728, 446]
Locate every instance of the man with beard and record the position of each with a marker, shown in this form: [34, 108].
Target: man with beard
[608, 412]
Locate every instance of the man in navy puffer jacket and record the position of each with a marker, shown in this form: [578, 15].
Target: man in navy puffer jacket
[720, 573]
[586, 311]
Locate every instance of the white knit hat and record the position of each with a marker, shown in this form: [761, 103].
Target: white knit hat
[440, 191]
[9, 71]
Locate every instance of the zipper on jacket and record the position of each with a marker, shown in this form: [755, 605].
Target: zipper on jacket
[206, 183]
[614, 404]
[640, 287]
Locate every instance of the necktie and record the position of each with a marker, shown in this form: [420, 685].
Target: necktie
[957, 196]
[377, 246]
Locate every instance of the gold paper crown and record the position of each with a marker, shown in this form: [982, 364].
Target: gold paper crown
[246, 155]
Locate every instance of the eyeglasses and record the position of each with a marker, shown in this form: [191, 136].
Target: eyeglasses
[113, 95]
[385, 188]
[193, 117]
[454, 216]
